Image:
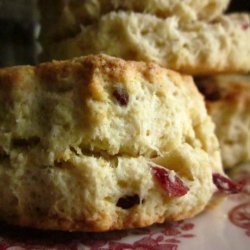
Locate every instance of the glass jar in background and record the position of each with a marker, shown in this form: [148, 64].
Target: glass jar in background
[18, 25]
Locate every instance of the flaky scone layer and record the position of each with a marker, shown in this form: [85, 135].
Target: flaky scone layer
[80, 140]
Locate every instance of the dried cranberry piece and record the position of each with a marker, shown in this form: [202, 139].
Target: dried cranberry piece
[127, 202]
[224, 184]
[121, 96]
[245, 25]
[209, 91]
[171, 183]
[213, 96]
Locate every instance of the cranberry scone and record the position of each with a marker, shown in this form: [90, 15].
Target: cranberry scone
[228, 102]
[65, 17]
[192, 47]
[98, 143]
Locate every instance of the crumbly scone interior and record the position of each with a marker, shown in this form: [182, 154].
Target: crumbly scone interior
[95, 186]
[70, 139]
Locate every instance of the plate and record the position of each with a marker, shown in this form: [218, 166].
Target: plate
[224, 225]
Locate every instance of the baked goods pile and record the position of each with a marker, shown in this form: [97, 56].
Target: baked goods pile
[100, 143]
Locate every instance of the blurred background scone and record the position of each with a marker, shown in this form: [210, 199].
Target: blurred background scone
[228, 102]
[20, 21]
[64, 18]
[98, 143]
[192, 47]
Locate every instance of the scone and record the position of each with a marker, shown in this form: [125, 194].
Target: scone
[194, 47]
[98, 143]
[65, 17]
[228, 102]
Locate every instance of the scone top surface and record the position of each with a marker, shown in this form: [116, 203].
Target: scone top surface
[102, 104]
[80, 140]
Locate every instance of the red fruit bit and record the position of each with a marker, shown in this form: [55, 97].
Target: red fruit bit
[224, 184]
[121, 96]
[171, 183]
[209, 91]
[127, 202]
[245, 25]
